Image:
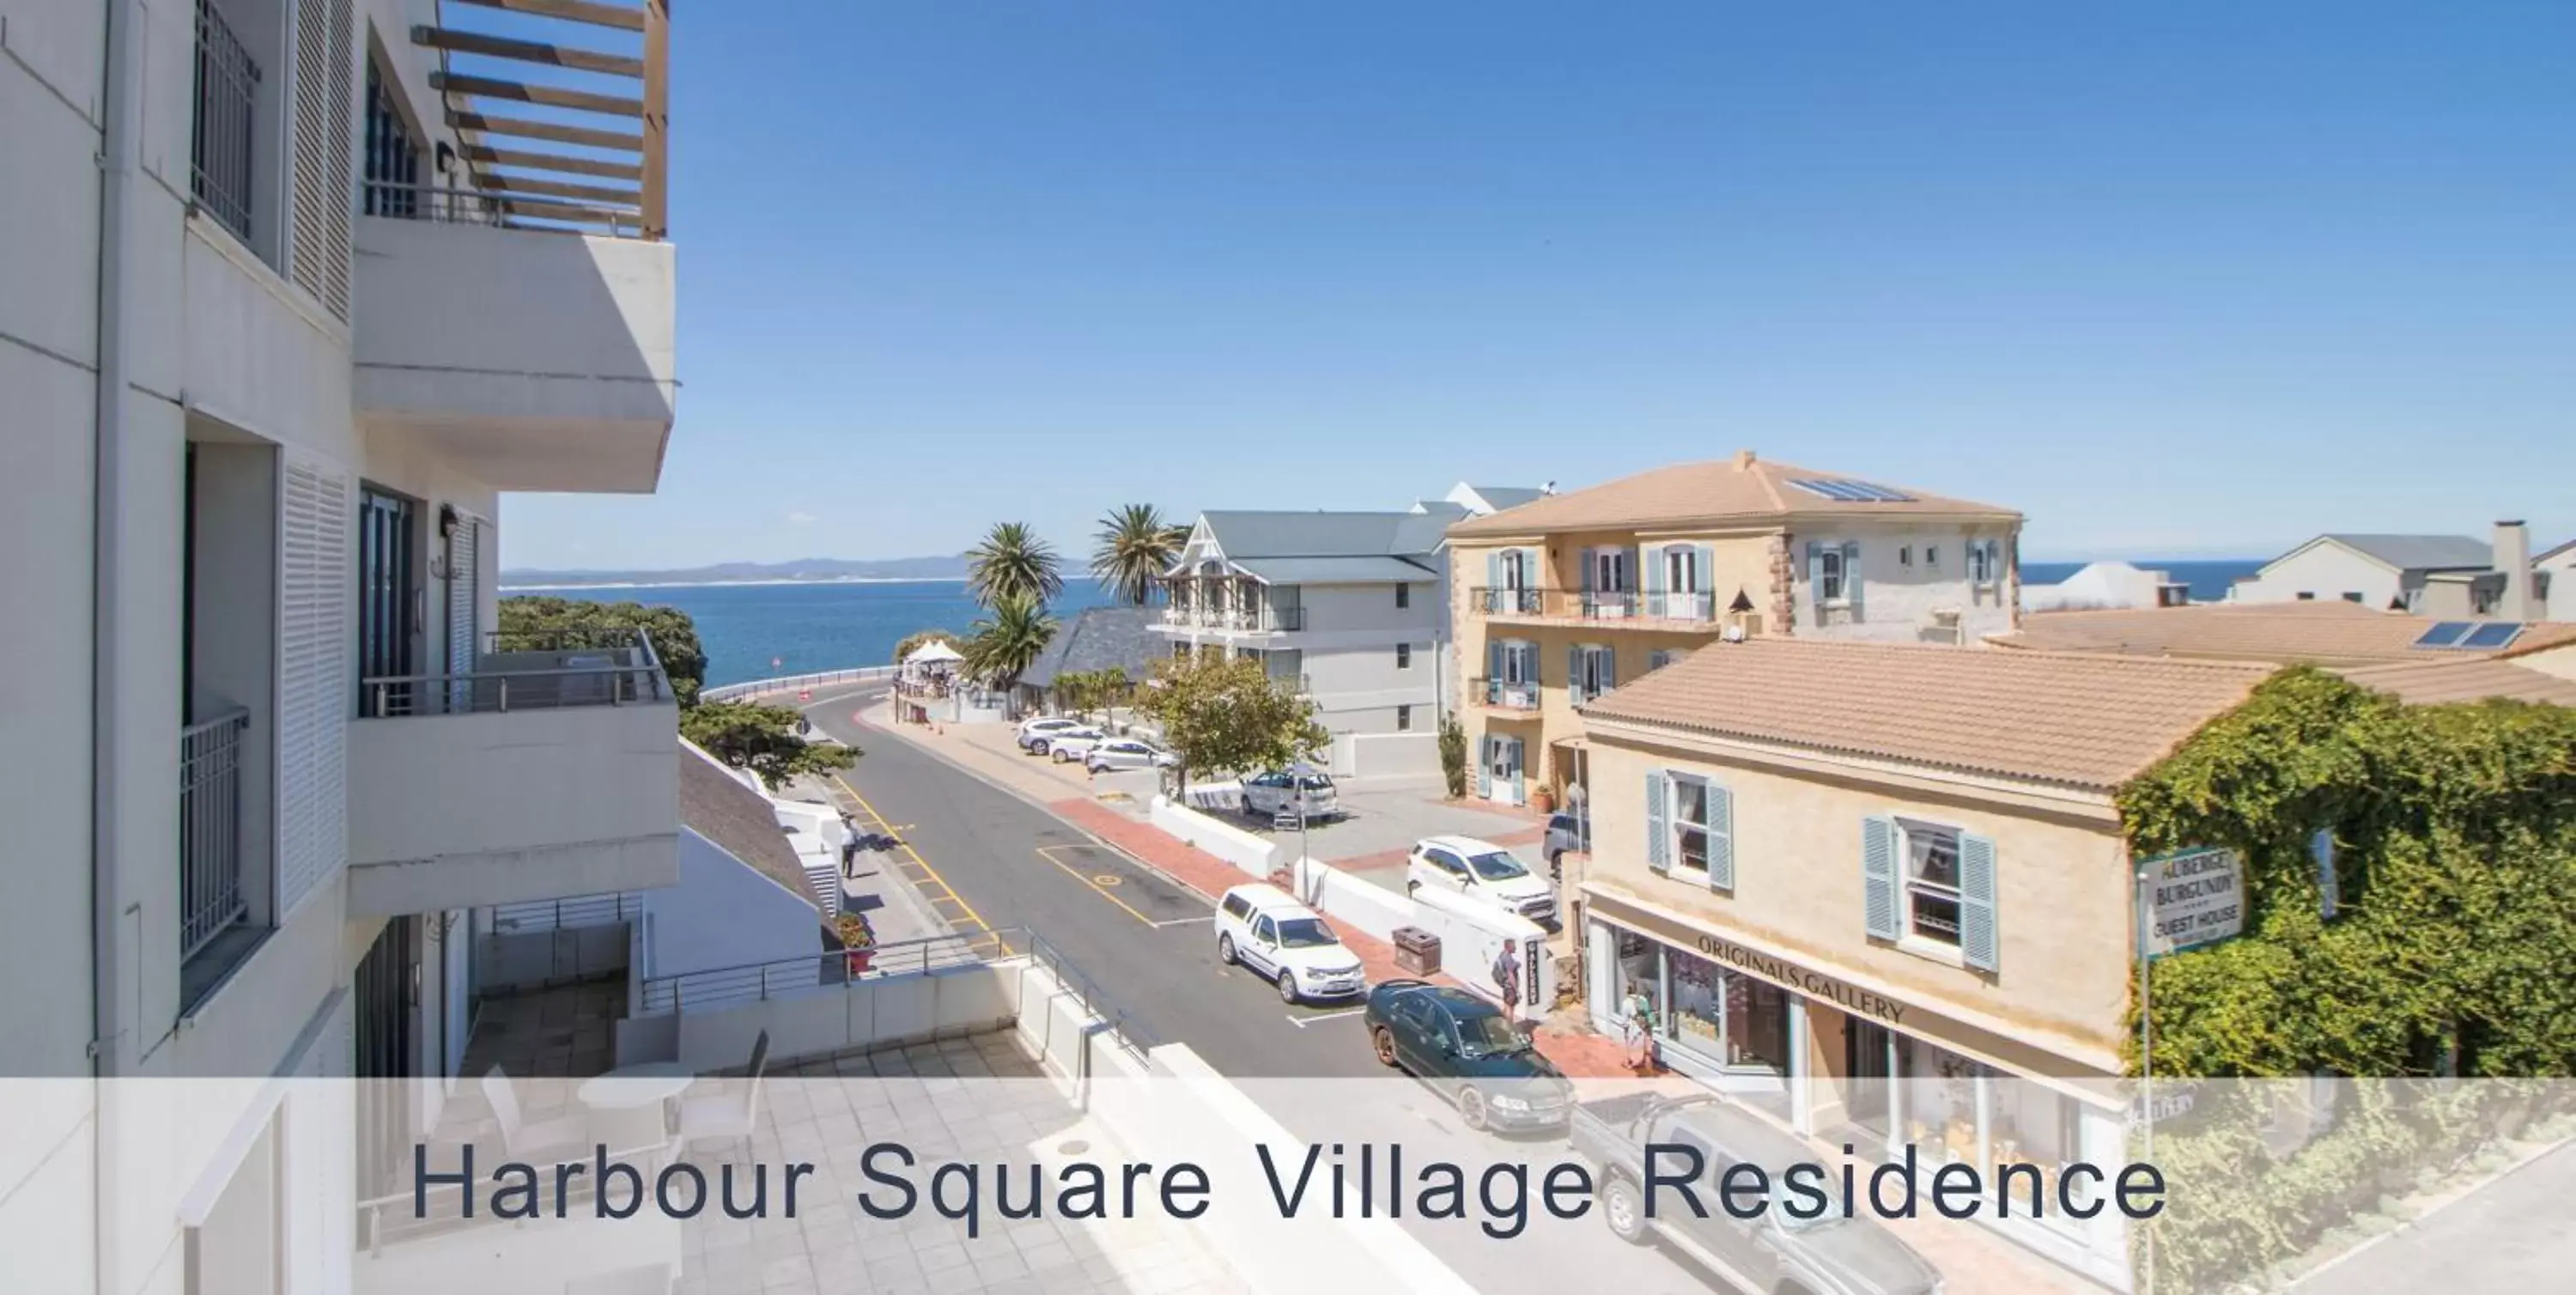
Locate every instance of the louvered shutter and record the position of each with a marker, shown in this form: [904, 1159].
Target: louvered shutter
[1878, 877]
[1721, 838]
[1485, 767]
[1574, 675]
[318, 230]
[464, 599]
[1652, 558]
[1704, 598]
[1609, 668]
[1659, 843]
[1977, 939]
[314, 591]
[1851, 579]
[1816, 579]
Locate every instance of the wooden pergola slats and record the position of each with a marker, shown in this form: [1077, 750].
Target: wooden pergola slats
[546, 130]
[650, 110]
[598, 15]
[527, 51]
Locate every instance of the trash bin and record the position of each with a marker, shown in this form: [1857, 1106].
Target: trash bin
[1417, 951]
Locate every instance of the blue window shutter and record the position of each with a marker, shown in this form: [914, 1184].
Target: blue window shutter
[1609, 667]
[1878, 877]
[1652, 559]
[1977, 901]
[1721, 838]
[1585, 584]
[1659, 845]
[1851, 578]
[1493, 659]
[1702, 556]
[1485, 767]
[2321, 847]
[1574, 675]
[1816, 579]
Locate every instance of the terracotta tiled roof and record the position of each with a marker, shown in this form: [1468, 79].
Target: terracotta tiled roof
[2326, 633]
[1741, 489]
[2067, 719]
[2428, 683]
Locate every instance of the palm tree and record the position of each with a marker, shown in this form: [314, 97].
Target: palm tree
[1135, 545]
[1009, 641]
[1012, 563]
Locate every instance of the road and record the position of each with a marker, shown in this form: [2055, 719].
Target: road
[2508, 1236]
[988, 858]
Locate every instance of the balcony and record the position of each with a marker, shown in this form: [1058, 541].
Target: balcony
[549, 771]
[1517, 695]
[516, 315]
[1595, 607]
[1236, 620]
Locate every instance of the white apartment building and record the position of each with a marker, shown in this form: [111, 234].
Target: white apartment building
[1348, 607]
[2453, 577]
[294, 291]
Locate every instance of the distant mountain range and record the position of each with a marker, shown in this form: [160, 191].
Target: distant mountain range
[813, 570]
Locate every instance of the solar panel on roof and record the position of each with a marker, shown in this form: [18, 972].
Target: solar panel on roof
[2445, 634]
[2492, 635]
[1852, 492]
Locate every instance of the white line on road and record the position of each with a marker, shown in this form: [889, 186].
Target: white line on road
[1301, 1022]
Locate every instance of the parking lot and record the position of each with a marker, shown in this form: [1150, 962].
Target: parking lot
[1381, 821]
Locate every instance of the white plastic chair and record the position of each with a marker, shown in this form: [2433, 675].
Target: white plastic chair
[518, 1137]
[731, 1115]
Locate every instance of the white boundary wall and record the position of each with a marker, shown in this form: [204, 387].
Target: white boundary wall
[1257, 855]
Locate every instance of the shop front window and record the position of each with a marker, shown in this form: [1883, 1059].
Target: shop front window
[1958, 1111]
[1699, 1006]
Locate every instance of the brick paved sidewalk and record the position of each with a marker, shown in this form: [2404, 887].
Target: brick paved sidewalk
[1581, 1054]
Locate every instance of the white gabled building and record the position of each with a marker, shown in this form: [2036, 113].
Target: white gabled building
[286, 308]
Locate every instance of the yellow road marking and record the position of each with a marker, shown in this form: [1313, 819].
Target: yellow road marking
[914, 858]
[1047, 852]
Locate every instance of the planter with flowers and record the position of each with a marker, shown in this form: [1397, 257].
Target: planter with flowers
[858, 940]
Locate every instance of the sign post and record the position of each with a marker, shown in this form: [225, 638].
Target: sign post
[2186, 899]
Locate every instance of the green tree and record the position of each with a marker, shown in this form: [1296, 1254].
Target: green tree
[1227, 715]
[918, 637]
[1012, 563]
[1135, 545]
[763, 739]
[531, 623]
[1453, 756]
[1083, 691]
[1007, 642]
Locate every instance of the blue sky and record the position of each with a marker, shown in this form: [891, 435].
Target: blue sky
[2175, 280]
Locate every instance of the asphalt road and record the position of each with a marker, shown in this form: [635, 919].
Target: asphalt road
[988, 858]
[2509, 1236]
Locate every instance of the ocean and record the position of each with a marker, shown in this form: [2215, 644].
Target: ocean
[759, 631]
[2208, 579]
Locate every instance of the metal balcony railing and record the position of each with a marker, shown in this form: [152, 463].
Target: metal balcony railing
[1256, 620]
[450, 204]
[529, 670]
[210, 823]
[1507, 602]
[1505, 694]
[219, 148]
[1593, 604]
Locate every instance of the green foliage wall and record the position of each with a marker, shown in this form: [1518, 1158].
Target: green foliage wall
[2455, 932]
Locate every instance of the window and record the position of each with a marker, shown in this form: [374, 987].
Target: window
[392, 164]
[1829, 565]
[1403, 597]
[1681, 569]
[1982, 555]
[2352, 595]
[1931, 881]
[1661, 657]
[1610, 571]
[1236, 907]
[1932, 556]
[1404, 719]
[1403, 656]
[1266, 931]
[1445, 862]
[1905, 555]
[2307, 595]
[1690, 823]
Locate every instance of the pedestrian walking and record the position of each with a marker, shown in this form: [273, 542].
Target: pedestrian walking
[1639, 1012]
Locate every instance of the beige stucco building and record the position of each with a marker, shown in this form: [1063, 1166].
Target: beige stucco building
[1571, 595]
[1828, 865]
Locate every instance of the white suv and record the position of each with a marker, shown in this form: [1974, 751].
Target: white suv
[1480, 870]
[1265, 929]
[1034, 732]
[1065, 746]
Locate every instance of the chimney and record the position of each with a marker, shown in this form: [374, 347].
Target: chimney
[2513, 559]
[1743, 460]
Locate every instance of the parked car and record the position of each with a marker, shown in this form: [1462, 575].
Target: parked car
[1564, 832]
[1128, 753]
[1068, 745]
[1482, 871]
[1777, 1251]
[1468, 1051]
[1033, 733]
[1264, 929]
[1275, 792]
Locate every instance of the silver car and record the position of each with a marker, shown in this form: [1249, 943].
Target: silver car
[1128, 753]
[1072, 744]
[1276, 792]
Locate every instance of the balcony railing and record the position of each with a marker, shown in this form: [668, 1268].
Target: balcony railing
[450, 204]
[219, 151]
[1594, 605]
[1504, 694]
[529, 670]
[210, 830]
[1252, 620]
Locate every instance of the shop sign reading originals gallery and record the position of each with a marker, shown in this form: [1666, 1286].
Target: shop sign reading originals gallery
[2193, 897]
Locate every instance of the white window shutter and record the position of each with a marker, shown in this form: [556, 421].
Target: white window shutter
[1977, 936]
[1878, 877]
[1659, 842]
[1721, 838]
[314, 682]
[324, 94]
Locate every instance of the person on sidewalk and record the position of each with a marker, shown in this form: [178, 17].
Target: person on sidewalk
[1639, 1029]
